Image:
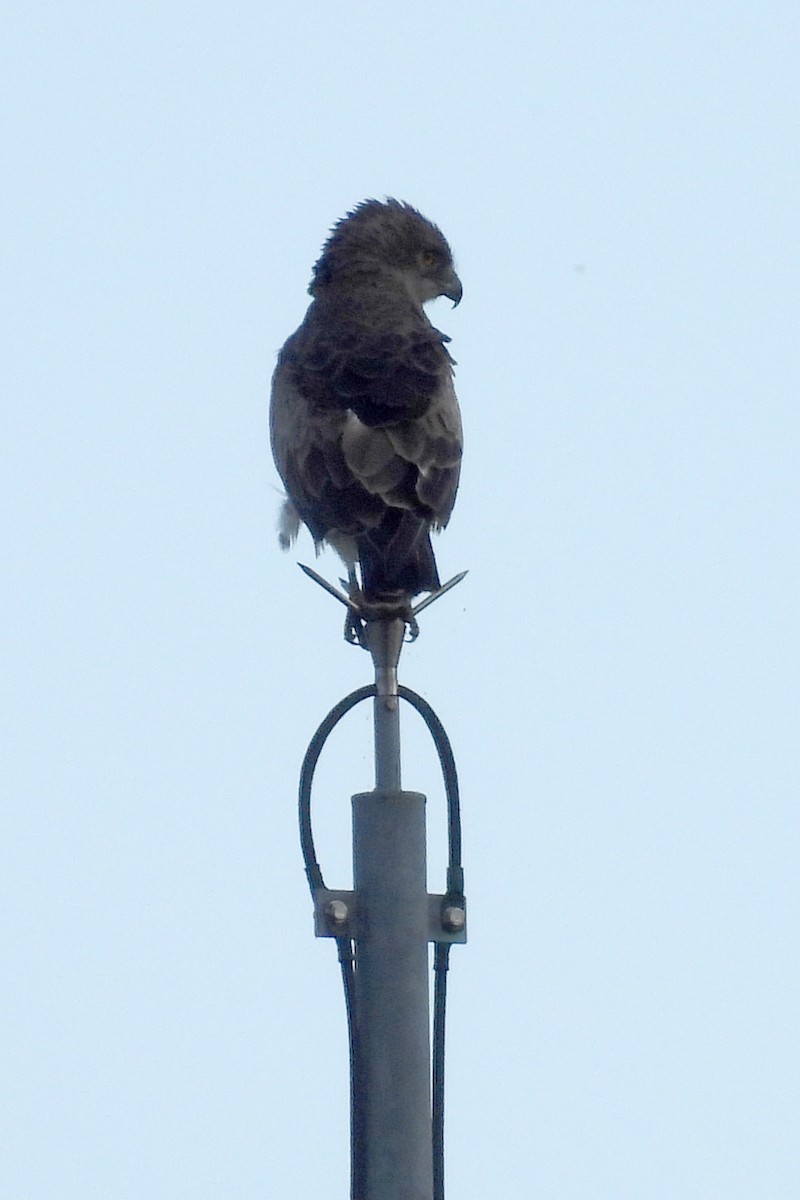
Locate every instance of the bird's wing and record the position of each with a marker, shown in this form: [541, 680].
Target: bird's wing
[307, 447]
[413, 464]
[379, 357]
[365, 418]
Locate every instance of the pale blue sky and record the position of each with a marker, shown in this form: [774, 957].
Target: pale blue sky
[618, 674]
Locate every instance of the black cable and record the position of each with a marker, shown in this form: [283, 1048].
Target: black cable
[313, 873]
[344, 945]
[357, 1145]
[448, 764]
[441, 955]
[455, 897]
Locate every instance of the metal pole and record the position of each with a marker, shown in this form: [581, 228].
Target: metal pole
[385, 641]
[389, 869]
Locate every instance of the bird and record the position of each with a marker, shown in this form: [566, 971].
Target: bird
[365, 426]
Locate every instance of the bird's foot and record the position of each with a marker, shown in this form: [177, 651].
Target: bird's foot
[355, 630]
[361, 611]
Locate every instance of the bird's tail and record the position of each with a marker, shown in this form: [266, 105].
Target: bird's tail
[400, 564]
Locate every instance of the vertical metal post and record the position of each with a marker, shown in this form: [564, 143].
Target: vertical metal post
[385, 641]
[389, 868]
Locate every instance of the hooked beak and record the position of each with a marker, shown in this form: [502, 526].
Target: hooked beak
[452, 288]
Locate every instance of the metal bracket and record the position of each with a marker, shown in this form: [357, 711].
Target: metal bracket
[336, 915]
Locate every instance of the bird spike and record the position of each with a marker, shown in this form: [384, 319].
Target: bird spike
[451, 583]
[328, 587]
[360, 614]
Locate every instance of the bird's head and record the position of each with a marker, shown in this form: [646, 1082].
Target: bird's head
[379, 237]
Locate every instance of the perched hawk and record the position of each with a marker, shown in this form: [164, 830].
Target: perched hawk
[365, 425]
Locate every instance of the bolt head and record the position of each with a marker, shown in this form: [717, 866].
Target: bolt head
[337, 913]
[454, 919]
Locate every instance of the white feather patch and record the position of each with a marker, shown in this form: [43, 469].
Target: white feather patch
[288, 524]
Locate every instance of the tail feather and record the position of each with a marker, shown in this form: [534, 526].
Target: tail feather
[400, 564]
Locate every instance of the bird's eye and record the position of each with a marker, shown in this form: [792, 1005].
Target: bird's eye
[429, 258]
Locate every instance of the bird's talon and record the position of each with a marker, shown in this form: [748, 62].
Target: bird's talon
[354, 630]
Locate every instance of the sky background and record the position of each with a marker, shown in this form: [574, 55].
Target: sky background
[618, 673]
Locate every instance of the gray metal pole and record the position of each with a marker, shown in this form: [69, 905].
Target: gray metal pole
[389, 869]
[385, 641]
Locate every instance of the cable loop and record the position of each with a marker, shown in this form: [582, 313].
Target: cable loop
[446, 761]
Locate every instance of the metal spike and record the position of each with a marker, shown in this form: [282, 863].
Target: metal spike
[328, 587]
[451, 583]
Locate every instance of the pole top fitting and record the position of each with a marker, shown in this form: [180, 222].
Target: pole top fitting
[385, 641]
[384, 637]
